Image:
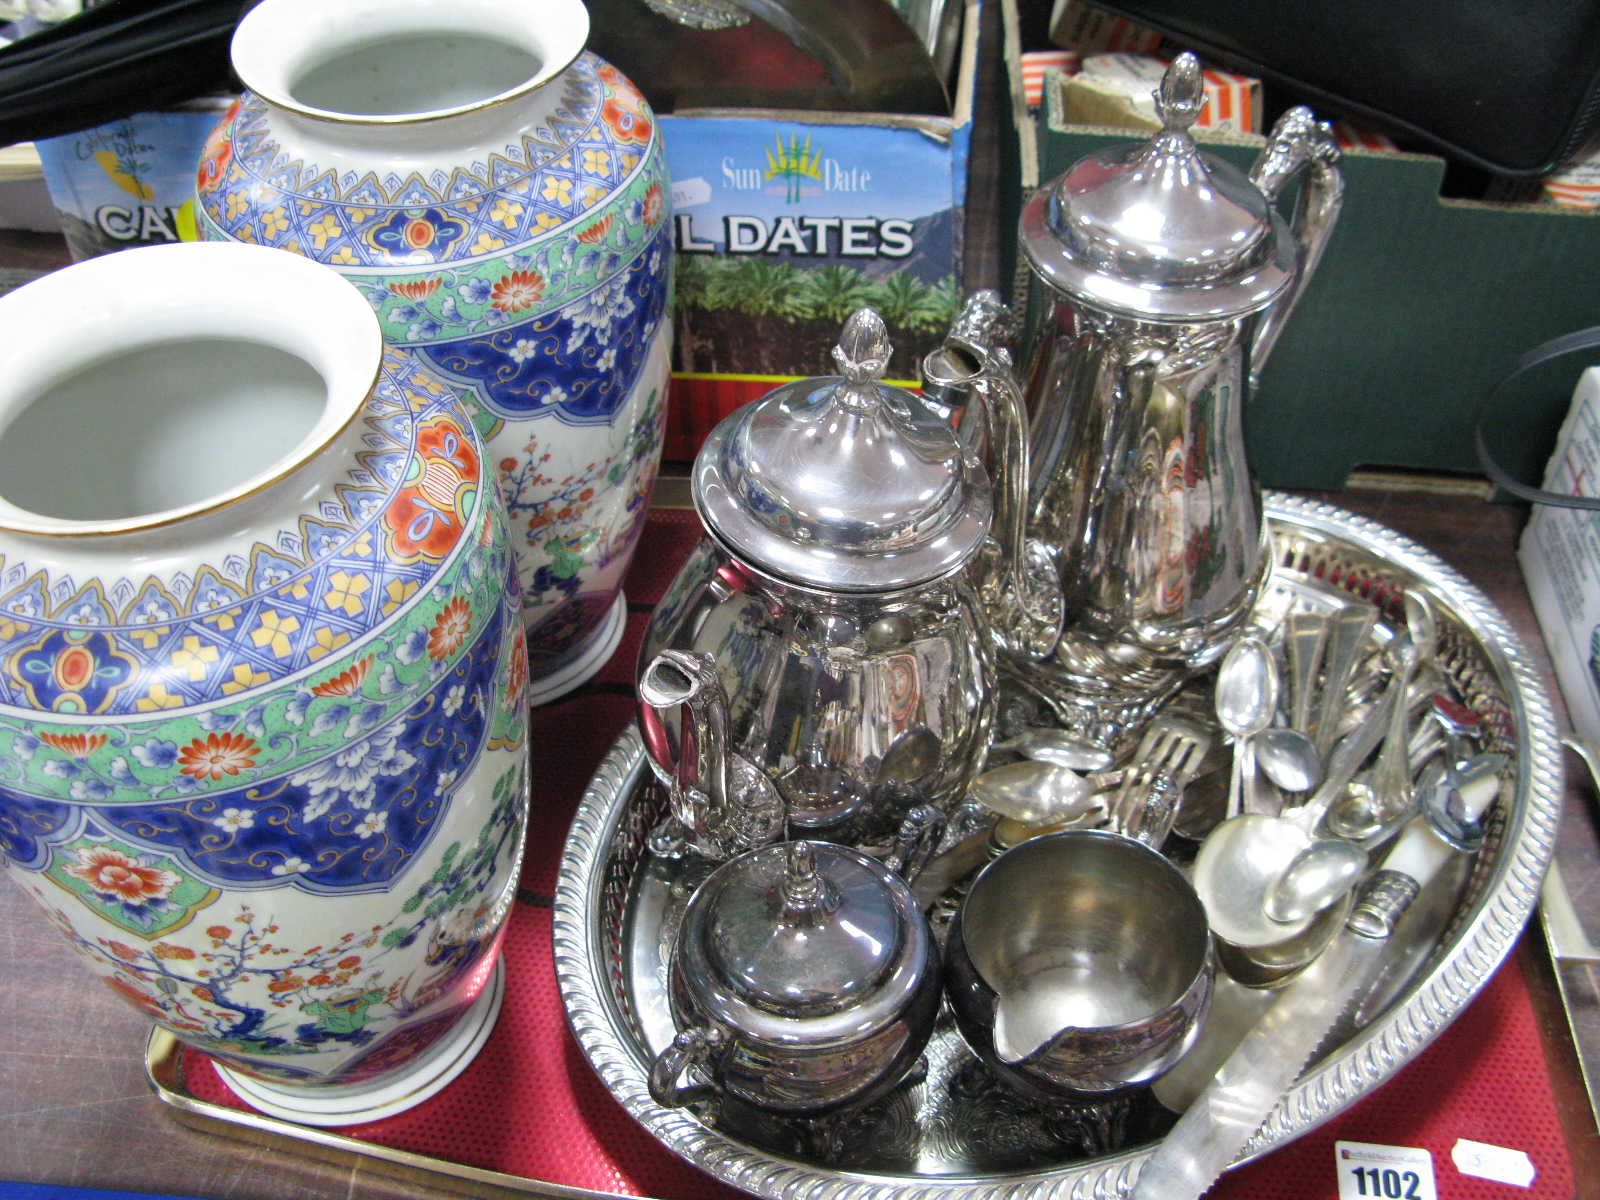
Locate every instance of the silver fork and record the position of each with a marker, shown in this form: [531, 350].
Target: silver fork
[1166, 759]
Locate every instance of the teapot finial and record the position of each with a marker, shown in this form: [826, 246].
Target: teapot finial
[862, 356]
[1182, 94]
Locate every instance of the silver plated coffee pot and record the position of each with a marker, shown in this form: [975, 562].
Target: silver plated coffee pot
[1165, 275]
[829, 626]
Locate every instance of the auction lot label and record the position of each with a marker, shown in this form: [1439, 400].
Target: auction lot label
[1367, 1170]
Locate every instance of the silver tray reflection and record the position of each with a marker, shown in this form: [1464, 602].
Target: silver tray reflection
[958, 1134]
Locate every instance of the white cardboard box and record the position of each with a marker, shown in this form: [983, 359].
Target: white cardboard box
[1560, 556]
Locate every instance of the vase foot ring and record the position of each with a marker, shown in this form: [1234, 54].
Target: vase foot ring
[436, 1068]
[588, 664]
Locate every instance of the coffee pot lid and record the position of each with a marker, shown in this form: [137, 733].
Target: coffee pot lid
[803, 929]
[844, 483]
[1159, 230]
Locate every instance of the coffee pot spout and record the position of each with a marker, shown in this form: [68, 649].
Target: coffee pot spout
[721, 802]
[1021, 589]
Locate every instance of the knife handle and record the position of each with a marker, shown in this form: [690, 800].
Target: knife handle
[1411, 864]
[1420, 852]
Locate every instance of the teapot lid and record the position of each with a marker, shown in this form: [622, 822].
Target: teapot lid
[1159, 230]
[802, 929]
[844, 483]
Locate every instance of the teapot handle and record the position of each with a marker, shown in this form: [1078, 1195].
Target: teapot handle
[691, 1048]
[1298, 141]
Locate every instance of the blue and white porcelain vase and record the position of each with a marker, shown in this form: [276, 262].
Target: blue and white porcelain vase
[500, 197]
[262, 717]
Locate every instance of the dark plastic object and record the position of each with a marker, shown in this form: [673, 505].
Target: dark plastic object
[1512, 86]
[1583, 341]
[119, 58]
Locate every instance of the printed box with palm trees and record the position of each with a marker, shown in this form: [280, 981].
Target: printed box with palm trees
[784, 228]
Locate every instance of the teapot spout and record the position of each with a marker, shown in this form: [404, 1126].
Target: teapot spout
[725, 804]
[1022, 592]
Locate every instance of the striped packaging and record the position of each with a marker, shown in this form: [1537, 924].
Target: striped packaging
[1090, 31]
[1037, 63]
[1576, 185]
[1358, 137]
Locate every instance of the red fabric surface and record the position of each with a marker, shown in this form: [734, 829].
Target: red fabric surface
[531, 1106]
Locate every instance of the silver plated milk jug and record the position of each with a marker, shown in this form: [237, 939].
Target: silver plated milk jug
[1166, 275]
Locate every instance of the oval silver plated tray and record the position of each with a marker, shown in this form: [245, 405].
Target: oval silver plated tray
[958, 1135]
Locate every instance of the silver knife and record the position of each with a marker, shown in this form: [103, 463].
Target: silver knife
[1264, 1066]
[1569, 941]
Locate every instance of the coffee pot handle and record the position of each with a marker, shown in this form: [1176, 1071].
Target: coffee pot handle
[1022, 597]
[1299, 141]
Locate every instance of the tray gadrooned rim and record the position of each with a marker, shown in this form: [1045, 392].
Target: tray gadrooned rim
[1476, 944]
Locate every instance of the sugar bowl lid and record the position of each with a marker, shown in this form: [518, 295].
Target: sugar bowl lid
[800, 930]
[844, 483]
[1158, 230]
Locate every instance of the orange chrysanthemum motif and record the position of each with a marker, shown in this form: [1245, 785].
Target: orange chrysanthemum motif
[517, 291]
[518, 676]
[221, 932]
[218, 152]
[346, 682]
[168, 951]
[79, 745]
[654, 204]
[347, 964]
[216, 755]
[596, 233]
[451, 629]
[416, 289]
[113, 873]
[626, 122]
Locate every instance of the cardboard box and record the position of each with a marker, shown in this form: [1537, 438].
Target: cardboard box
[786, 222]
[1418, 304]
[129, 182]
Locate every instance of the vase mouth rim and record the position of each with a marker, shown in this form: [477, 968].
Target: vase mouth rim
[276, 42]
[154, 296]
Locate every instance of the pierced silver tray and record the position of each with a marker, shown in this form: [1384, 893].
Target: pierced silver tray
[959, 1135]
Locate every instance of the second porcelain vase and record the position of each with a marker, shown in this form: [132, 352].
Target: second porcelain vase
[500, 197]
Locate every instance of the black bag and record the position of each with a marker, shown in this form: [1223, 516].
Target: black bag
[116, 59]
[1512, 86]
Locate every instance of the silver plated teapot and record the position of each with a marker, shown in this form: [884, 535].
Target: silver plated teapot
[836, 600]
[1166, 275]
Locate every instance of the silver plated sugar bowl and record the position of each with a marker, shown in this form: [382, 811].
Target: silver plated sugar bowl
[1165, 275]
[804, 979]
[828, 629]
